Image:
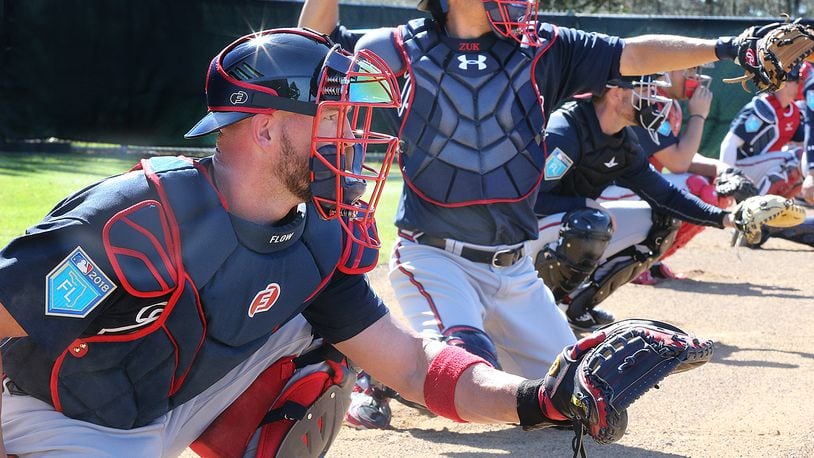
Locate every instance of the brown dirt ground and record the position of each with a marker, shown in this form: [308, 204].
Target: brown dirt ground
[752, 399]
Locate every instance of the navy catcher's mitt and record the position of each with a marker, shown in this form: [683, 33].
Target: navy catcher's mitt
[591, 384]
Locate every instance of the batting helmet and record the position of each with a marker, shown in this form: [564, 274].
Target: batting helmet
[301, 71]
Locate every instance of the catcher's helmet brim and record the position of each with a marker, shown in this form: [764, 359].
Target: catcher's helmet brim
[214, 121]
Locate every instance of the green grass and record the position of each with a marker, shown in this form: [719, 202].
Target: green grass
[31, 184]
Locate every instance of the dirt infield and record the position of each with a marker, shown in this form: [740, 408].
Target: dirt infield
[753, 399]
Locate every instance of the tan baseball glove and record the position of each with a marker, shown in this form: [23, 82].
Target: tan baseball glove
[767, 54]
[770, 210]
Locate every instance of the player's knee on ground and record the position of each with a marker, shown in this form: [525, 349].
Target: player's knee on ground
[474, 341]
[584, 236]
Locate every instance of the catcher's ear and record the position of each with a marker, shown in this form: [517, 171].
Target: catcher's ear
[263, 129]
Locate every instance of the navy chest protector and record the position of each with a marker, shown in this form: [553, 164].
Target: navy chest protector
[472, 127]
[602, 159]
[219, 300]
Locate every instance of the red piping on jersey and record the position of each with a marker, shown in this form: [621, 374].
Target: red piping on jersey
[176, 247]
[406, 111]
[420, 287]
[143, 258]
[396, 33]
[111, 250]
[321, 285]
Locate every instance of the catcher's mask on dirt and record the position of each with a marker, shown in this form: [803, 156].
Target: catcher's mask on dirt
[514, 19]
[693, 79]
[301, 71]
[651, 108]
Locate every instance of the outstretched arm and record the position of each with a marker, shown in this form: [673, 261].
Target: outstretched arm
[460, 386]
[401, 359]
[648, 54]
[320, 15]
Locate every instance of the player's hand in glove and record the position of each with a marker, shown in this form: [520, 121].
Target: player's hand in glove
[591, 383]
[733, 183]
[767, 53]
[770, 210]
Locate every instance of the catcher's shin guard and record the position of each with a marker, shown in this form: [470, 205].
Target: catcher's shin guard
[626, 265]
[584, 236]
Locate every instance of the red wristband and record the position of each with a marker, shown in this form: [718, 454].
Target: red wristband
[442, 377]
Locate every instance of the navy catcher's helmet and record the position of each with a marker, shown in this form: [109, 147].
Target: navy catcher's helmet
[278, 70]
[304, 72]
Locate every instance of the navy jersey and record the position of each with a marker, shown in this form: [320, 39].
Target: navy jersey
[583, 161]
[472, 121]
[107, 296]
[765, 126]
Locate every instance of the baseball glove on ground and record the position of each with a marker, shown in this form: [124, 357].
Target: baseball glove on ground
[770, 210]
[733, 183]
[591, 383]
[768, 53]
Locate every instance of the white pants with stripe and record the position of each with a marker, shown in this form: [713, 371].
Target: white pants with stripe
[438, 290]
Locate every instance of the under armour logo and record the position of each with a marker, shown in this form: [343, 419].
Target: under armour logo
[611, 163]
[465, 62]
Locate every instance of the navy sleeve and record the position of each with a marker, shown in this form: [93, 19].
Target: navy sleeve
[663, 196]
[57, 279]
[346, 307]
[665, 136]
[574, 62]
[562, 153]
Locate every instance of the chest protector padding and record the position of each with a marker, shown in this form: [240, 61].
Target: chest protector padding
[472, 129]
[218, 301]
[602, 159]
